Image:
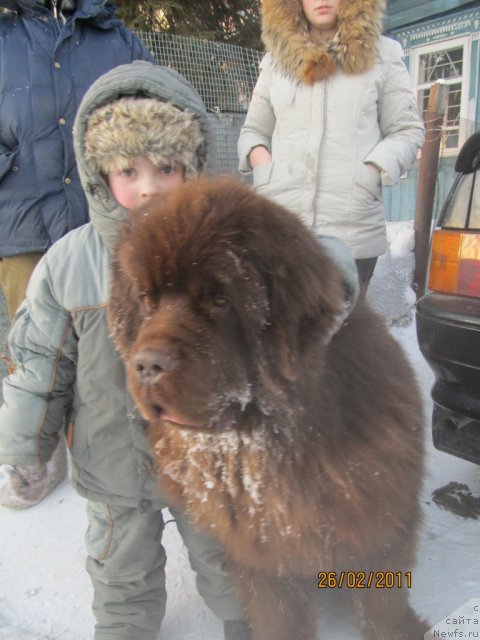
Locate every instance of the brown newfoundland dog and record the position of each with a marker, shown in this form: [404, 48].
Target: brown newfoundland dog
[291, 436]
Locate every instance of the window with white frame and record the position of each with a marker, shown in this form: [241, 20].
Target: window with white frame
[447, 61]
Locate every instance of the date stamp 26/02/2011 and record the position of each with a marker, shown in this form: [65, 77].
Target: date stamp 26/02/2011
[364, 579]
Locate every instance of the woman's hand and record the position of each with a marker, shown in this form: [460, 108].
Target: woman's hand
[374, 167]
[259, 155]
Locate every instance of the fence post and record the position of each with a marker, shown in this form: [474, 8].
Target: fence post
[427, 176]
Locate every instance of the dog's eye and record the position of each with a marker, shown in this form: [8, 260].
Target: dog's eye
[214, 303]
[145, 302]
[220, 301]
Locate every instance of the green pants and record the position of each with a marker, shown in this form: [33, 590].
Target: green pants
[126, 563]
[15, 272]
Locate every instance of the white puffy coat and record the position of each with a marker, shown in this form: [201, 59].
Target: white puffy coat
[322, 137]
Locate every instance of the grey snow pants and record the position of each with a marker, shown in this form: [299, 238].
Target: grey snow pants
[126, 563]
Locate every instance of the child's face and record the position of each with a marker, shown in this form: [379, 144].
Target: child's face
[142, 181]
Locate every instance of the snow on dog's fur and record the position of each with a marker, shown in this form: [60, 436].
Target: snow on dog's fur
[295, 441]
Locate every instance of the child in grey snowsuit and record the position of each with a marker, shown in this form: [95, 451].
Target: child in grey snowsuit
[50, 53]
[140, 131]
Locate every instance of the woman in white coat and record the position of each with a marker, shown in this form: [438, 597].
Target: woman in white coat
[333, 117]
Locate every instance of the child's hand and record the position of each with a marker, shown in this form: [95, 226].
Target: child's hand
[27, 485]
[28, 481]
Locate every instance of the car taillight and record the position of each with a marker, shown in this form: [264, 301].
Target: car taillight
[455, 262]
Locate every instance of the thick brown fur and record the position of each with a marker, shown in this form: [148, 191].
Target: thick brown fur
[295, 441]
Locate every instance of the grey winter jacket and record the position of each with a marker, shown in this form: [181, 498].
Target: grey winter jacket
[67, 366]
[323, 134]
[45, 68]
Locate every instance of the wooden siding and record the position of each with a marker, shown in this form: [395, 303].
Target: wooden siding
[401, 13]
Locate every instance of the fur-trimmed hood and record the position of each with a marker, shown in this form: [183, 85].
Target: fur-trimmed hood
[285, 34]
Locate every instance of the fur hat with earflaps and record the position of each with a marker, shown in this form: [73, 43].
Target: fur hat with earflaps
[131, 127]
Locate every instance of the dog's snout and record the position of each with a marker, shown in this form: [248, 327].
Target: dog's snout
[150, 364]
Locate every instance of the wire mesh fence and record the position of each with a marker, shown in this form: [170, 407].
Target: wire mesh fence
[224, 75]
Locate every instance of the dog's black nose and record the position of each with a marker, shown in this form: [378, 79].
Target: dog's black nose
[150, 364]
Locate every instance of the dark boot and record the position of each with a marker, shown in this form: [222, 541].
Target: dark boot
[236, 630]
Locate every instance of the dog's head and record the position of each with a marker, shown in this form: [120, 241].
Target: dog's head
[219, 300]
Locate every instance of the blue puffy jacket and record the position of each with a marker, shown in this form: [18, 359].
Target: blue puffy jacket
[46, 66]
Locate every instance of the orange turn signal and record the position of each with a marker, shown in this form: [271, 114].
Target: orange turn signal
[455, 262]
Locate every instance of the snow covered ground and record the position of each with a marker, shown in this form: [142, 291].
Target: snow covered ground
[45, 592]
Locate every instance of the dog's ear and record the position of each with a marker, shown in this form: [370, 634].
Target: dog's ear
[307, 299]
[133, 268]
[287, 357]
[124, 309]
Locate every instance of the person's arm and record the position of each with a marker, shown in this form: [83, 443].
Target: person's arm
[6, 160]
[140, 51]
[254, 143]
[402, 127]
[39, 393]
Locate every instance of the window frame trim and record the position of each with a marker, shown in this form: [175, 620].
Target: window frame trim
[455, 42]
